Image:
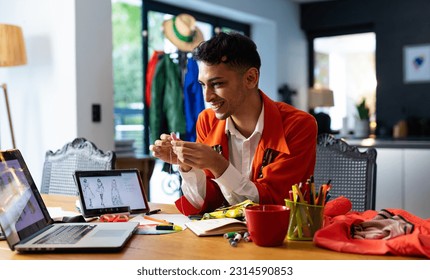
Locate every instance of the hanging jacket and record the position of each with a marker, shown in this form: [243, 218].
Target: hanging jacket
[193, 99]
[166, 113]
[150, 72]
[290, 133]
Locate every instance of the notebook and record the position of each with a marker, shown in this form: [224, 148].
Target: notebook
[216, 226]
[111, 191]
[28, 227]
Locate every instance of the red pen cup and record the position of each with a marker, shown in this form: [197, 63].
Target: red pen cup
[267, 224]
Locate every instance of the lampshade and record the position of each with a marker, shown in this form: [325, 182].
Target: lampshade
[12, 53]
[12, 47]
[320, 97]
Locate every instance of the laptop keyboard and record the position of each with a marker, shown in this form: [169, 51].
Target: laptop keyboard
[66, 234]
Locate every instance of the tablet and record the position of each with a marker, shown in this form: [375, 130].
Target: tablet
[111, 191]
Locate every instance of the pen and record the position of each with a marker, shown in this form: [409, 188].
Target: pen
[155, 211]
[157, 220]
[307, 191]
[267, 158]
[217, 148]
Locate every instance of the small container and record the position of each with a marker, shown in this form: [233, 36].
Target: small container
[305, 220]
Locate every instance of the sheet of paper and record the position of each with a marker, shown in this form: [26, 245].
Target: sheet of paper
[57, 213]
[177, 219]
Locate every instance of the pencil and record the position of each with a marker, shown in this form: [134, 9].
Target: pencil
[157, 220]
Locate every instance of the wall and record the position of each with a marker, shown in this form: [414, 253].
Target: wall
[396, 24]
[69, 67]
[42, 93]
[94, 70]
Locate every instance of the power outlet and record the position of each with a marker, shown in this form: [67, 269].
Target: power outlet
[97, 113]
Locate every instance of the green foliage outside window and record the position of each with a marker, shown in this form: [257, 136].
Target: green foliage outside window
[127, 55]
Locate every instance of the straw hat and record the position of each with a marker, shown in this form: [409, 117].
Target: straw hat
[183, 32]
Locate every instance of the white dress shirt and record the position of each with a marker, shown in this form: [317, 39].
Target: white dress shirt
[235, 183]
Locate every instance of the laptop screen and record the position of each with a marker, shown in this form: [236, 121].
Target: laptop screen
[21, 211]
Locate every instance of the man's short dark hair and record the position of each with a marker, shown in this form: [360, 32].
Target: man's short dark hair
[234, 49]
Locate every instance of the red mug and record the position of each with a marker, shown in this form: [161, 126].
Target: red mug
[267, 224]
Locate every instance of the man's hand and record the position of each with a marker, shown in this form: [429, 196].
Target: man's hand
[162, 149]
[200, 156]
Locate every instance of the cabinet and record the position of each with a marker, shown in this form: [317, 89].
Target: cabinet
[403, 180]
[417, 181]
[389, 178]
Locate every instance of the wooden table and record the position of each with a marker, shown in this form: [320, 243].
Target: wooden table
[186, 245]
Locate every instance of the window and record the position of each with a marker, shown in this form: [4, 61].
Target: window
[346, 65]
[128, 73]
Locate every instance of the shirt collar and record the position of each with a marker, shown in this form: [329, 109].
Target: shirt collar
[231, 129]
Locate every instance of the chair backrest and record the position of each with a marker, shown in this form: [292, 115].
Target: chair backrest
[352, 172]
[59, 166]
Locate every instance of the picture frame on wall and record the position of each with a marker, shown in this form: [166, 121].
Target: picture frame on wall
[416, 63]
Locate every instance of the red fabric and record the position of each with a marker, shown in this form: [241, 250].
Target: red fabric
[295, 145]
[150, 71]
[186, 208]
[336, 235]
[338, 206]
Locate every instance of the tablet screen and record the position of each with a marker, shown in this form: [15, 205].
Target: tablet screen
[111, 191]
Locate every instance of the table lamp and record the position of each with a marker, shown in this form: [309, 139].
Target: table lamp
[12, 53]
[321, 97]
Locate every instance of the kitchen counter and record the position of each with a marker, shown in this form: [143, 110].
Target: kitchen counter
[412, 143]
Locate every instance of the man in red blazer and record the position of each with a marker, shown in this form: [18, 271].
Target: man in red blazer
[248, 146]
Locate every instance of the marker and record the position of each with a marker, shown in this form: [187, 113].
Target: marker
[237, 237]
[195, 217]
[155, 211]
[168, 227]
[232, 242]
[229, 235]
[247, 237]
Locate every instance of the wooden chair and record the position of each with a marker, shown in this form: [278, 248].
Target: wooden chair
[352, 173]
[60, 166]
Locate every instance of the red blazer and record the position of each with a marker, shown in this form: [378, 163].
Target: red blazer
[290, 133]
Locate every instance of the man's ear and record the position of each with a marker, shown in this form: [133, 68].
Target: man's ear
[251, 77]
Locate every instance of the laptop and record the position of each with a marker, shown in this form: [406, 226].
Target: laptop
[28, 227]
[111, 191]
